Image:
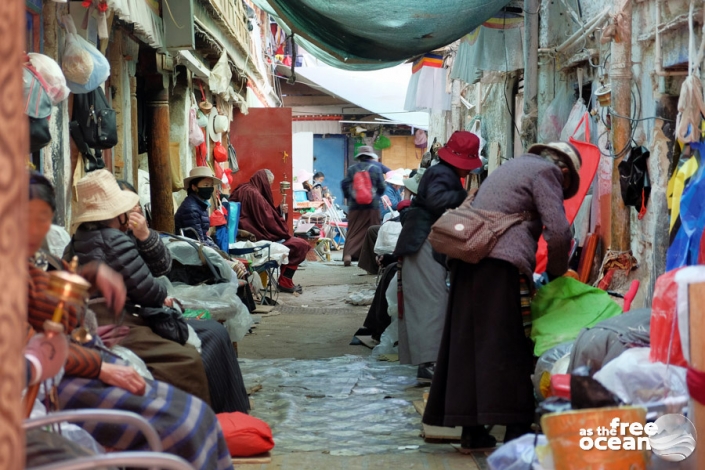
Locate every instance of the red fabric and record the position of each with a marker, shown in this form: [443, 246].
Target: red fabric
[403, 205]
[701, 255]
[219, 153]
[696, 385]
[258, 215]
[362, 187]
[590, 156]
[218, 218]
[245, 435]
[664, 322]
[298, 248]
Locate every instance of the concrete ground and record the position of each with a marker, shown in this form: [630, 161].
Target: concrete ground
[318, 325]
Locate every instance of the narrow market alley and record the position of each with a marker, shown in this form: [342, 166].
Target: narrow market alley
[332, 405]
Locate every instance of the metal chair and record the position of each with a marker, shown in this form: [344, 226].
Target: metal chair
[270, 293]
[154, 459]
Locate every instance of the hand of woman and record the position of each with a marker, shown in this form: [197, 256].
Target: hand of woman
[112, 286]
[124, 377]
[47, 354]
[169, 302]
[139, 227]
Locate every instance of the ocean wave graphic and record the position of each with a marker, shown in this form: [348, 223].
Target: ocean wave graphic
[675, 440]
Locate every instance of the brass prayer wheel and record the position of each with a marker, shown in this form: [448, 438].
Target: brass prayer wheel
[68, 287]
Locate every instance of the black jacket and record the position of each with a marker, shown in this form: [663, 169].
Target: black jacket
[193, 213]
[138, 262]
[439, 190]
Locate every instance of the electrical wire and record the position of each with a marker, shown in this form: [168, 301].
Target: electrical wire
[506, 78]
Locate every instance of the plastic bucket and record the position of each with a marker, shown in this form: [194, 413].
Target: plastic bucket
[563, 431]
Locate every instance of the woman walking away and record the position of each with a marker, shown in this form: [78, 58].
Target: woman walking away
[363, 186]
[260, 217]
[423, 276]
[485, 362]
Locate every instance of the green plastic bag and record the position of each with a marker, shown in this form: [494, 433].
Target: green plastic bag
[197, 314]
[564, 307]
[382, 142]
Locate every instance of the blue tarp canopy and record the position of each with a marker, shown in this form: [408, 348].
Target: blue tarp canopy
[374, 34]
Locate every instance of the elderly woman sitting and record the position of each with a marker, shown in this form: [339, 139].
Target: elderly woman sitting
[110, 230]
[95, 379]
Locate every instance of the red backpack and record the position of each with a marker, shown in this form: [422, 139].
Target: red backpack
[362, 187]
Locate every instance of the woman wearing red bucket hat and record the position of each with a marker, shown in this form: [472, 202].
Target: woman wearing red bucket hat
[483, 372]
[424, 291]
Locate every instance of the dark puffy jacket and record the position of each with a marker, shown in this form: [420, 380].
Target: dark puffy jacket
[193, 213]
[440, 189]
[138, 262]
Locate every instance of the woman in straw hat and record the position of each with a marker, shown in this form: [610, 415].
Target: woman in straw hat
[483, 373]
[422, 276]
[103, 218]
[95, 380]
[192, 217]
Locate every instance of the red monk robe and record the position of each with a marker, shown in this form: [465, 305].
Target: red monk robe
[259, 216]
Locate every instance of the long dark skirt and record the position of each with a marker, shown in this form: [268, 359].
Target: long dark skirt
[483, 372]
[298, 247]
[378, 319]
[225, 382]
[358, 223]
[368, 258]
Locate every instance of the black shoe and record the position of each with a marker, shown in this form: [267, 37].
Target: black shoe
[425, 372]
[288, 290]
[299, 289]
[477, 438]
[515, 431]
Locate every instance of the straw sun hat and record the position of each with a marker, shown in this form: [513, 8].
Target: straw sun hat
[100, 198]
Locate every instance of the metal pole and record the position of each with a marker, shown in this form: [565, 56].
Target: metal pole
[621, 80]
[531, 73]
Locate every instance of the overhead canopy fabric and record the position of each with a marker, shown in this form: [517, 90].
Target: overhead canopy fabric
[373, 34]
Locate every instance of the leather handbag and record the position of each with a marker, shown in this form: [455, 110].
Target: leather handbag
[470, 234]
[167, 322]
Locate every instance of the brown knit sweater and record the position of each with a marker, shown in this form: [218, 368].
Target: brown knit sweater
[529, 183]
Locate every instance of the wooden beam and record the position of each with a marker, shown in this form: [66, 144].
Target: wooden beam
[160, 163]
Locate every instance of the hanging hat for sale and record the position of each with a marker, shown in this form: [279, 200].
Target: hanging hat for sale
[461, 151]
[205, 106]
[200, 172]
[394, 177]
[412, 184]
[100, 198]
[568, 155]
[202, 119]
[366, 150]
[217, 124]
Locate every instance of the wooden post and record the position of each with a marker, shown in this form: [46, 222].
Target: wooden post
[135, 131]
[14, 148]
[159, 163]
[531, 73]
[621, 80]
[697, 362]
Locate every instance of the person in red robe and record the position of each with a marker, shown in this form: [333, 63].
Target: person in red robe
[259, 216]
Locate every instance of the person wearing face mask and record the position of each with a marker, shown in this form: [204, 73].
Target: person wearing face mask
[192, 216]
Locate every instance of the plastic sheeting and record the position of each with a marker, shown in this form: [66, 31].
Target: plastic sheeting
[374, 34]
[345, 405]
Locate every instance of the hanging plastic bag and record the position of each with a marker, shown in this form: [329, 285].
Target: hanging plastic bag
[54, 78]
[195, 134]
[574, 119]
[634, 181]
[76, 63]
[219, 153]
[382, 142]
[665, 336]
[221, 75]
[556, 115]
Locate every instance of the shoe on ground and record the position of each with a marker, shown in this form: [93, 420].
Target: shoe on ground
[476, 439]
[425, 372]
[347, 260]
[286, 290]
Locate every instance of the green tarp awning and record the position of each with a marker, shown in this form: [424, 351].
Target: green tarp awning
[373, 34]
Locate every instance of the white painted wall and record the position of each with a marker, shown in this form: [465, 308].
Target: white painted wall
[302, 150]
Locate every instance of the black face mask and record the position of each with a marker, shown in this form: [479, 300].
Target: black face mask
[205, 193]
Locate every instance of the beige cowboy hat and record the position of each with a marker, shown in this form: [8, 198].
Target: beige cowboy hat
[205, 106]
[100, 198]
[217, 124]
[198, 173]
[570, 156]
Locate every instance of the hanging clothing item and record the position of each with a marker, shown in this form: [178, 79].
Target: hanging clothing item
[371, 43]
[495, 46]
[427, 86]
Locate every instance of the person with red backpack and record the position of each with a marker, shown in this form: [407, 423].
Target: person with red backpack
[362, 187]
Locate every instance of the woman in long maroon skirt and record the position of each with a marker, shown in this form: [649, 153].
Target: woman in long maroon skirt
[484, 365]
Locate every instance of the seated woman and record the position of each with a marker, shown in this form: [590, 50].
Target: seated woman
[95, 380]
[259, 216]
[104, 219]
[192, 216]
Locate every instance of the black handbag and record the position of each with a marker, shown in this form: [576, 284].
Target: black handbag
[96, 119]
[634, 181]
[167, 322]
[232, 159]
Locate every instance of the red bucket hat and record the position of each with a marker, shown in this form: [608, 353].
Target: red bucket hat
[461, 151]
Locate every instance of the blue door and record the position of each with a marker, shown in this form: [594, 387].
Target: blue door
[329, 157]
